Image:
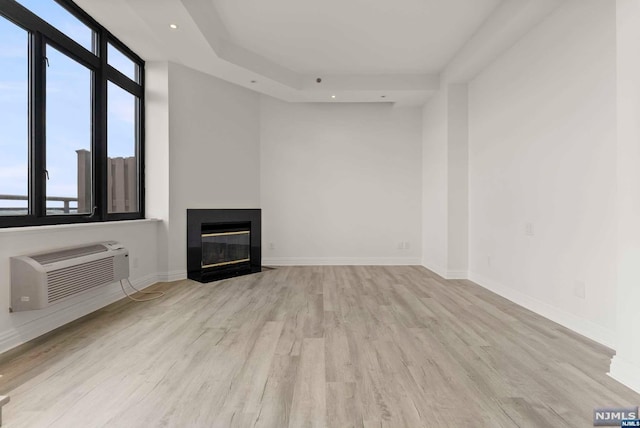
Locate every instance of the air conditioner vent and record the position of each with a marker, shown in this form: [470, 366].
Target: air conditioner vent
[46, 278]
[74, 279]
[68, 254]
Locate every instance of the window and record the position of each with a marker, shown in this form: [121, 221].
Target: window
[14, 120]
[63, 20]
[122, 150]
[68, 135]
[122, 63]
[71, 115]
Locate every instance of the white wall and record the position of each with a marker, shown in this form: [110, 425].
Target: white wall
[625, 366]
[458, 182]
[435, 125]
[445, 197]
[214, 154]
[340, 183]
[157, 156]
[542, 137]
[138, 236]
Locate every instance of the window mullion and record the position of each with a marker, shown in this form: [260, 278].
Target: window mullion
[115, 76]
[100, 130]
[140, 134]
[38, 121]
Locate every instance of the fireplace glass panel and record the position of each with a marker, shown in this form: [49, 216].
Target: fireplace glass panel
[225, 248]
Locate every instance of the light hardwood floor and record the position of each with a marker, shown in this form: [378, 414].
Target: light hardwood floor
[312, 347]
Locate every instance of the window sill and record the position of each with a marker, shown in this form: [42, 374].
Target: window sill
[57, 227]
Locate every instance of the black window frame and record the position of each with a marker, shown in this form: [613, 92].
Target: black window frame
[41, 34]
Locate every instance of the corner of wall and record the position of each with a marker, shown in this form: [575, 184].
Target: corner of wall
[625, 372]
[577, 324]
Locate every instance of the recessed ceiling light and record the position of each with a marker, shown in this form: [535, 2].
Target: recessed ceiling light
[173, 26]
[254, 81]
[333, 96]
[383, 96]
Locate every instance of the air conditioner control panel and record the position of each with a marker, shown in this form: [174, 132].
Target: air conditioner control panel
[113, 245]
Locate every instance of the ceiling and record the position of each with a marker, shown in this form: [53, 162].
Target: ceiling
[363, 50]
[354, 36]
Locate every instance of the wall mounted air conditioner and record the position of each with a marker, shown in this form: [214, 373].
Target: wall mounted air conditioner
[42, 279]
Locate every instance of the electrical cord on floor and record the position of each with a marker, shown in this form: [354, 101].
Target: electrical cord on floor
[159, 293]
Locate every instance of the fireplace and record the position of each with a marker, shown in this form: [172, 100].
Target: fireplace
[226, 247]
[222, 243]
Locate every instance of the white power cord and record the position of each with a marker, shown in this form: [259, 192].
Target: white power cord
[159, 293]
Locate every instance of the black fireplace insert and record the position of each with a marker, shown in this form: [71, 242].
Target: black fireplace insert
[223, 243]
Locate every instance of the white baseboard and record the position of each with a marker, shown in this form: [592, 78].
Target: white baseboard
[457, 274]
[175, 275]
[66, 313]
[340, 261]
[435, 269]
[580, 325]
[626, 373]
[145, 281]
[446, 274]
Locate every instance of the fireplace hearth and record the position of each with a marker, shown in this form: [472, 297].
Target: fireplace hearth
[223, 243]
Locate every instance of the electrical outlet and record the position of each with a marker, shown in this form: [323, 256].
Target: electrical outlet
[528, 229]
[580, 289]
[272, 246]
[404, 245]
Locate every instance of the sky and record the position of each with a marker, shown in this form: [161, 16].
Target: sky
[68, 107]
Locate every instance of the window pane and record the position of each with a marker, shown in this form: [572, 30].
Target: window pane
[122, 150]
[62, 19]
[14, 119]
[122, 63]
[68, 135]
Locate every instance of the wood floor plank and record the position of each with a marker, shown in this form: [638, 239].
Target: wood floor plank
[308, 408]
[343, 410]
[319, 346]
[275, 406]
